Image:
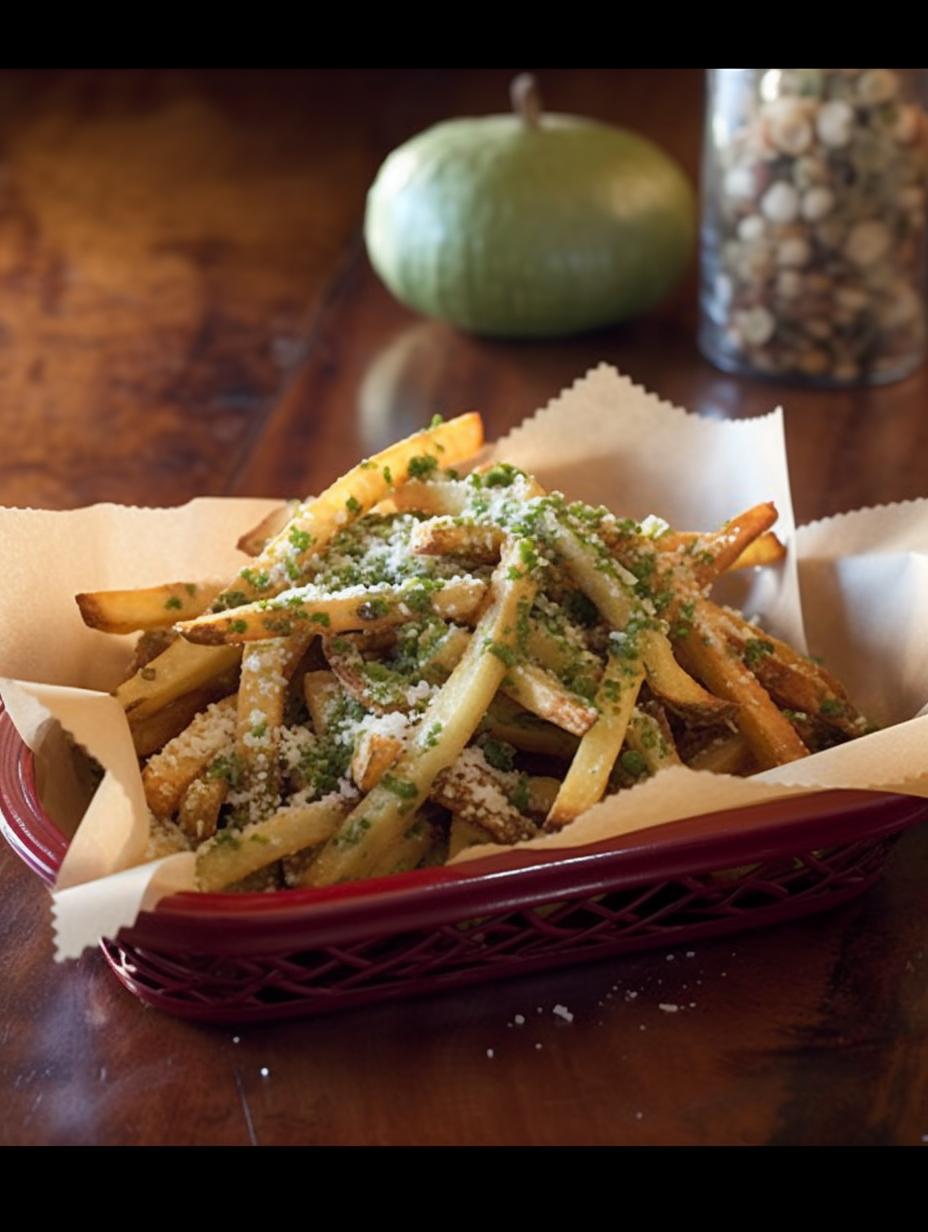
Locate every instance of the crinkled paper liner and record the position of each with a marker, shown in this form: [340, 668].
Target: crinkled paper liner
[857, 584]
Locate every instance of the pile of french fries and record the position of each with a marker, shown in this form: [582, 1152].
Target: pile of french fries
[415, 662]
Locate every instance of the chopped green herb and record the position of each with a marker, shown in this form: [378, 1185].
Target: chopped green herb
[353, 505]
[174, 603]
[231, 598]
[633, 763]
[499, 754]
[400, 787]
[503, 652]
[300, 539]
[259, 581]
[228, 768]
[422, 466]
[321, 618]
[238, 626]
[436, 420]
[832, 708]
[754, 650]
[502, 475]
[353, 832]
[373, 609]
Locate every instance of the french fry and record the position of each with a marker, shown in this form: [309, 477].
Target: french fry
[409, 852]
[652, 740]
[373, 757]
[321, 690]
[465, 834]
[765, 550]
[152, 733]
[445, 537]
[725, 755]
[234, 854]
[198, 811]
[169, 773]
[130, 611]
[543, 694]
[439, 499]
[180, 669]
[254, 541]
[589, 771]
[474, 794]
[675, 687]
[791, 679]
[508, 721]
[719, 550]
[601, 579]
[704, 652]
[259, 716]
[450, 720]
[151, 644]
[338, 612]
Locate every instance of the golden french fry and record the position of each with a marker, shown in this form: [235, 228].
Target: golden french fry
[232, 855]
[129, 611]
[254, 541]
[259, 717]
[792, 680]
[765, 550]
[169, 773]
[445, 537]
[719, 550]
[586, 780]
[198, 811]
[728, 754]
[652, 740]
[543, 694]
[179, 669]
[321, 690]
[507, 721]
[449, 498]
[705, 652]
[472, 793]
[675, 687]
[338, 612]
[373, 757]
[151, 733]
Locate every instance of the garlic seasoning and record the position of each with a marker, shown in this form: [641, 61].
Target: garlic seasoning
[813, 228]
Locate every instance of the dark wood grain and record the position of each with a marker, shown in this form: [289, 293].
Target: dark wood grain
[186, 308]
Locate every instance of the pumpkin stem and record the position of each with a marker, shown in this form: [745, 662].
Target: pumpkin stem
[526, 99]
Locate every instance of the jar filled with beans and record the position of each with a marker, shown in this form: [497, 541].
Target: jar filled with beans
[813, 234]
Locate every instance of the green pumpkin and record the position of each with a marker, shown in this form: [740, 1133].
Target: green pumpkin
[517, 228]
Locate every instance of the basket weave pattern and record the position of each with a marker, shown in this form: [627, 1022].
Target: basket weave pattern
[424, 960]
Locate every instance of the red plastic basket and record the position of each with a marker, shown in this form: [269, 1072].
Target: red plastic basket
[250, 957]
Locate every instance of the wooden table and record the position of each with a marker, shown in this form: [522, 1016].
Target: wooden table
[186, 308]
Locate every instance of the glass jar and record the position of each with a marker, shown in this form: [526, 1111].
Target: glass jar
[813, 224]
